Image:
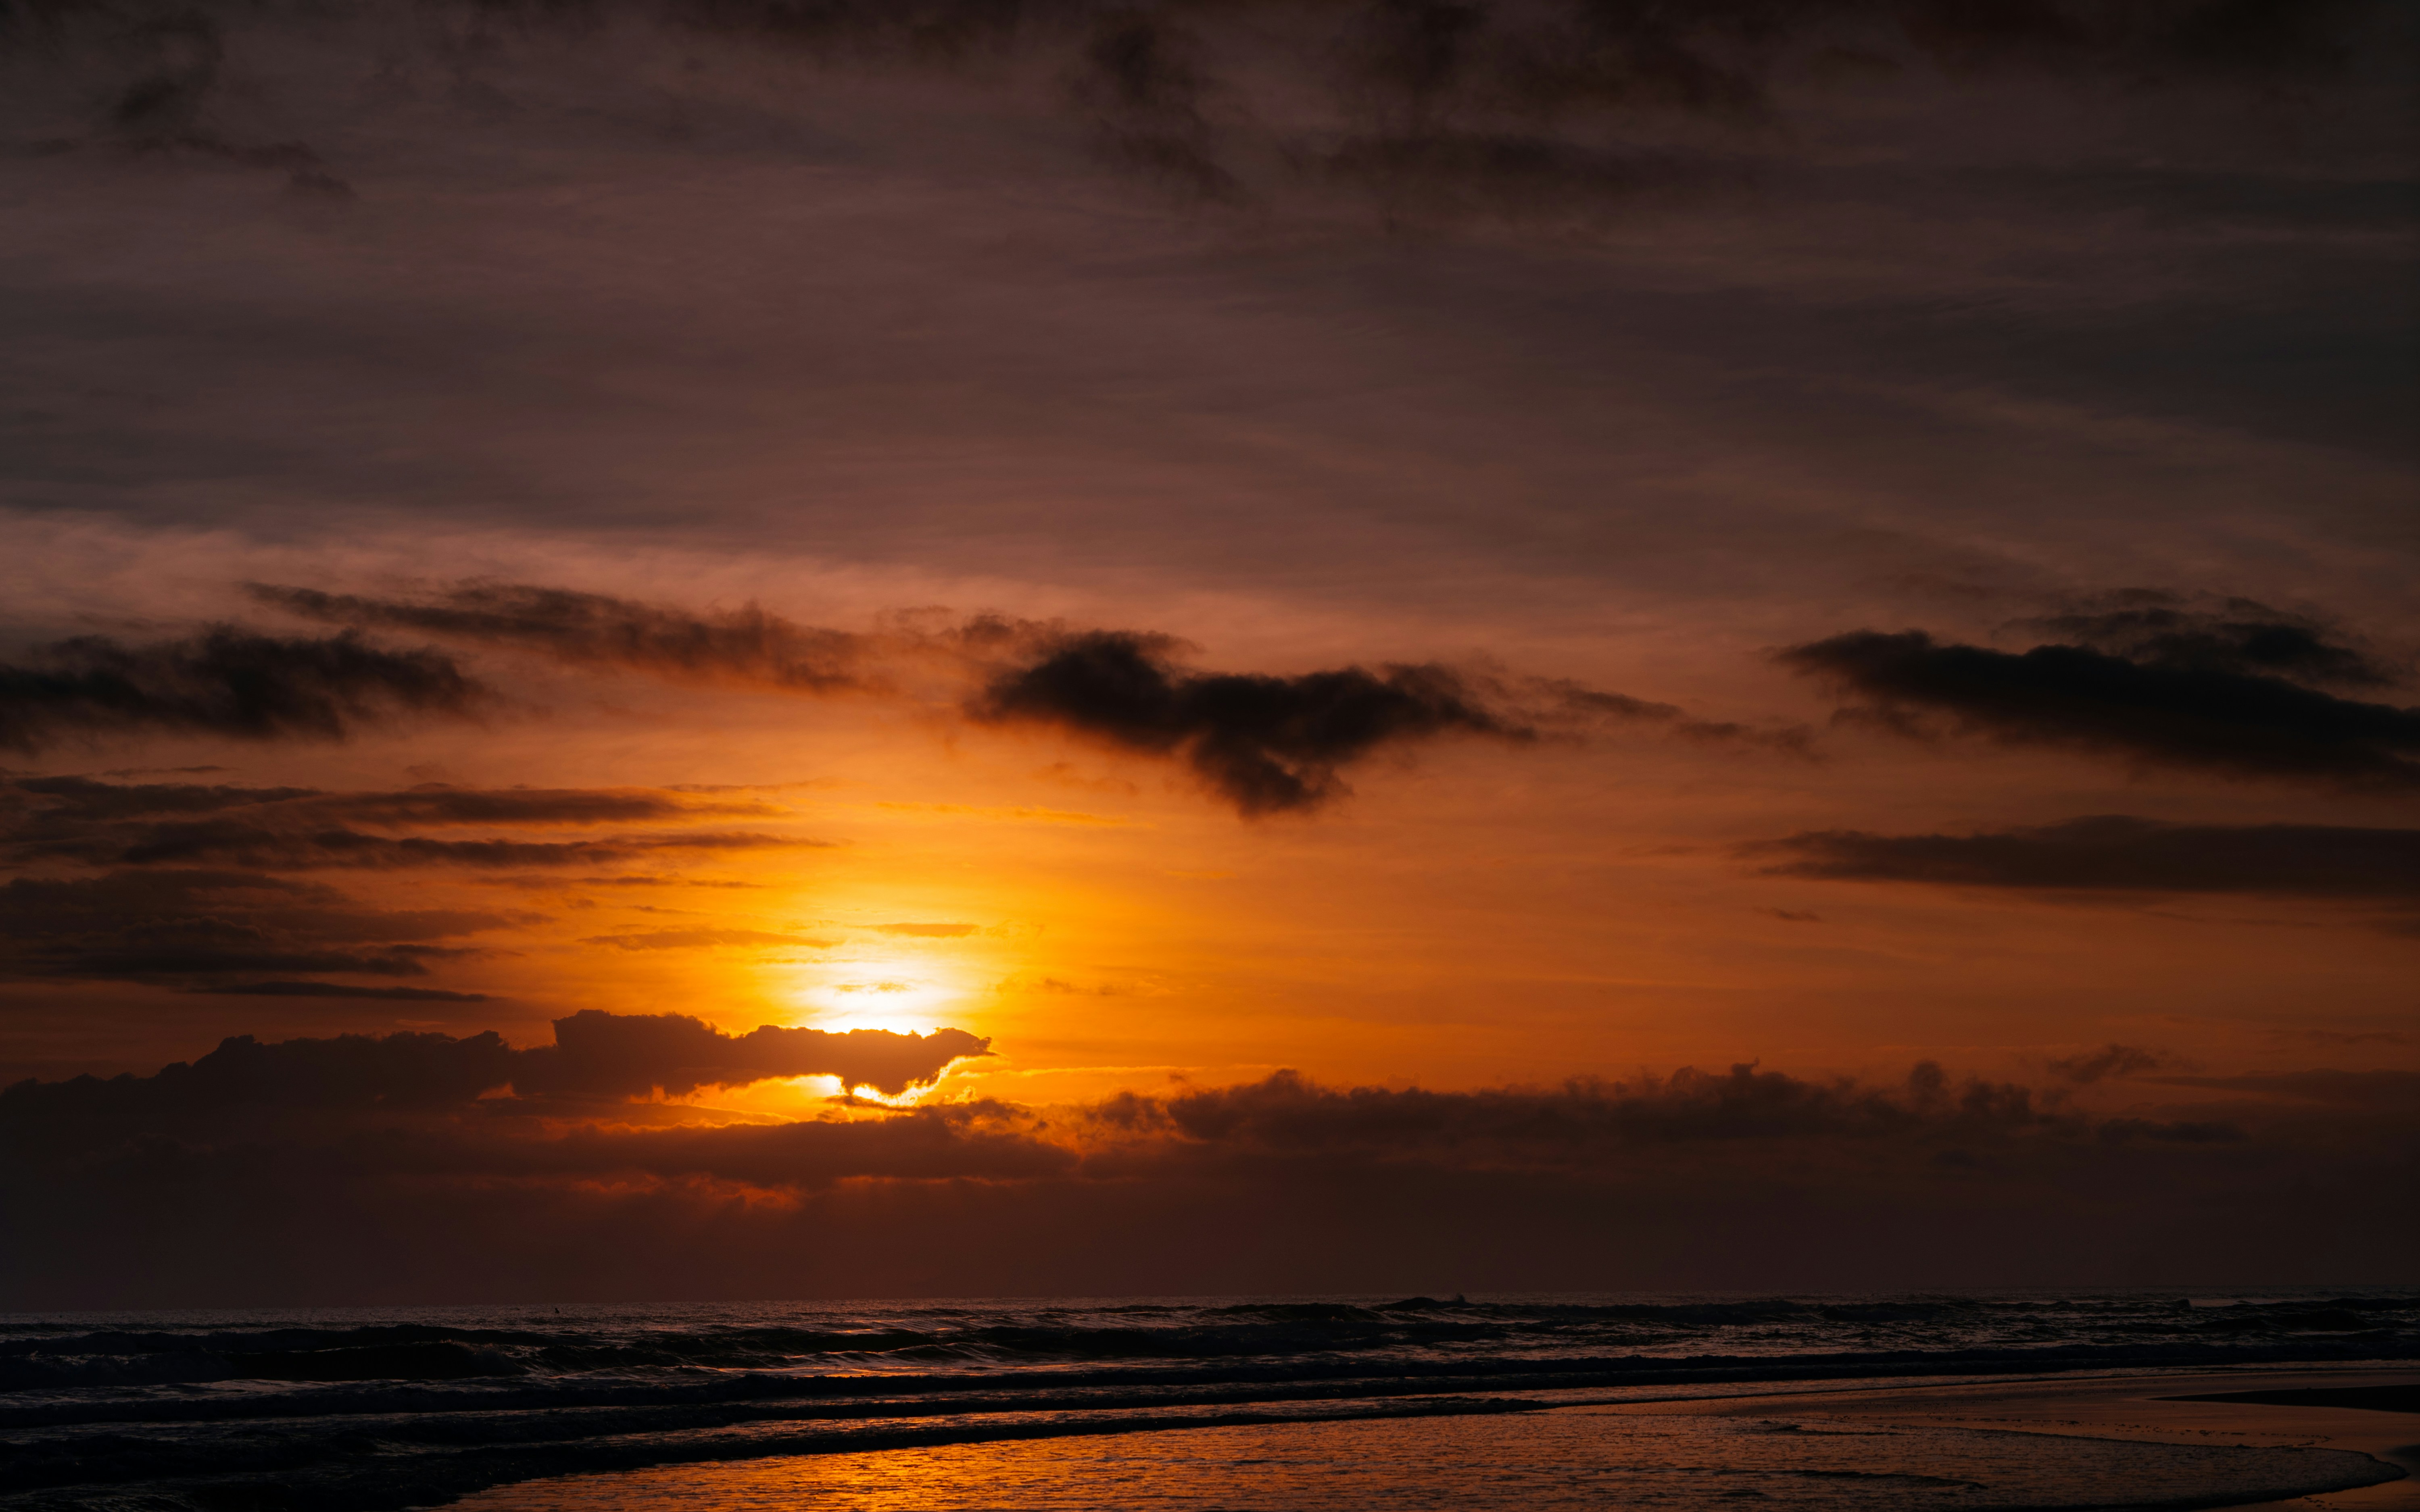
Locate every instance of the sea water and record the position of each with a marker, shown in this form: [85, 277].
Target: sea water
[1342, 1403]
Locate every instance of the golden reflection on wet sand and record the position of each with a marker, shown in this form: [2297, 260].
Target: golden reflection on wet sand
[1877, 1450]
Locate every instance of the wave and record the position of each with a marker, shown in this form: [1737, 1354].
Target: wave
[333, 1413]
[37, 1357]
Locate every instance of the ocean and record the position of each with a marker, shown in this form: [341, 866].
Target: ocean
[1478, 1402]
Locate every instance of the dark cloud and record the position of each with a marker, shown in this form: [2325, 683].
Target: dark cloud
[1578, 1127]
[62, 804]
[1266, 744]
[596, 1055]
[1140, 82]
[177, 58]
[1581, 1121]
[374, 1166]
[225, 682]
[1445, 109]
[2395, 1092]
[1274, 743]
[273, 850]
[747, 644]
[82, 798]
[75, 818]
[695, 939]
[2110, 1060]
[2337, 1036]
[194, 926]
[2116, 853]
[2236, 635]
[337, 989]
[1515, 176]
[2206, 714]
[187, 892]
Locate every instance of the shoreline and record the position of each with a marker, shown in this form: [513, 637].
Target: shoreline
[2160, 1407]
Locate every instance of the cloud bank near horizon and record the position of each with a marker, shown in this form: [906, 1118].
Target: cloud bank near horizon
[394, 1135]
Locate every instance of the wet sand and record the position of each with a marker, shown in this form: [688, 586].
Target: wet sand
[2371, 1412]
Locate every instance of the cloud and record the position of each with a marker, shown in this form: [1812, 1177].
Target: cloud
[2110, 1060]
[190, 888]
[1578, 1127]
[1266, 744]
[76, 818]
[82, 798]
[1579, 1122]
[335, 989]
[2202, 712]
[595, 1054]
[927, 932]
[629, 1055]
[264, 849]
[374, 1166]
[695, 939]
[2337, 1037]
[2120, 853]
[225, 682]
[1277, 743]
[192, 926]
[745, 645]
[2238, 635]
[1140, 80]
[2391, 1091]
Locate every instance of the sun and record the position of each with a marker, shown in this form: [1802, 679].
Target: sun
[905, 996]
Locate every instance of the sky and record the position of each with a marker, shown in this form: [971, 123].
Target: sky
[683, 648]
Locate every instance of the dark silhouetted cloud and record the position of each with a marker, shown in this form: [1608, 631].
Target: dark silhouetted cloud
[2337, 1037]
[399, 1170]
[1275, 744]
[596, 1055]
[2395, 1092]
[2204, 713]
[1579, 1121]
[2116, 853]
[2110, 1060]
[224, 682]
[186, 891]
[270, 850]
[82, 799]
[195, 927]
[1266, 743]
[2236, 635]
[76, 818]
[746, 644]
[697, 939]
[337, 989]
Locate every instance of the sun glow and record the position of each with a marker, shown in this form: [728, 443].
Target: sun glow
[903, 996]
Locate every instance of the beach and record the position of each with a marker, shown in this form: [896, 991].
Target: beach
[2161, 1408]
[2074, 1442]
[2035, 1443]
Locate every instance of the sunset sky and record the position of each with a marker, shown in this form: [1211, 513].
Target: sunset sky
[1420, 545]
